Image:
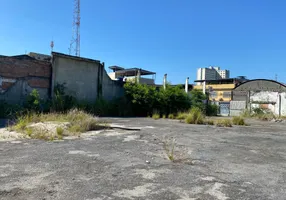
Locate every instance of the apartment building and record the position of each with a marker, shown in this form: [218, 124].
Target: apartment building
[211, 73]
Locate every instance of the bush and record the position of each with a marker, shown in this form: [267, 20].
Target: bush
[142, 97]
[182, 115]
[172, 100]
[8, 110]
[60, 132]
[156, 116]
[224, 123]
[33, 101]
[238, 121]
[146, 98]
[245, 113]
[211, 110]
[197, 99]
[171, 116]
[62, 102]
[195, 116]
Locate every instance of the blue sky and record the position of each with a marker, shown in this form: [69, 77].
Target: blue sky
[175, 37]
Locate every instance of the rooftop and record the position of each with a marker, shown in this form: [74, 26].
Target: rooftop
[133, 72]
[74, 57]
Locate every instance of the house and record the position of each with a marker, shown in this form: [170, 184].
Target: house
[132, 75]
[219, 90]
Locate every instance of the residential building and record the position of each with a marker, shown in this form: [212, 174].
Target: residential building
[211, 73]
[219, 90]
[132, 75]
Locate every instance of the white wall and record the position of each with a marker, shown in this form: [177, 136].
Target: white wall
[270, 100]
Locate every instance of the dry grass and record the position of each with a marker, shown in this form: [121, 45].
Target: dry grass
[156, 116]
[50, 126]
[169, 146]
[224, 123]
[209, 122]
[171, 116]
[238, 121]
[182, 115]
[178, 155]
[195, 116]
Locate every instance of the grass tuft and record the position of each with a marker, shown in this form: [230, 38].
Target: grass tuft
[169, 146]
[171, 116]
[182, 115]
[209, 122]
[224, 123]
[195, 116]
[60, 132]
[156, 116]
[238, 121]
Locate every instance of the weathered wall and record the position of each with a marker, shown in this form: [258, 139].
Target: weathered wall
[79, 77]
[273, 101]
[84, 79]
[265, 94]
[19, 75]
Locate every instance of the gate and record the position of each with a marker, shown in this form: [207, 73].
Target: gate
[224, 108]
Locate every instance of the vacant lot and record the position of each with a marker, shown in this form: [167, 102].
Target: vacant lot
[211, 163]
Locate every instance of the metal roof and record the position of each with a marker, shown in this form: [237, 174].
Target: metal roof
[117, 68]
[133, 72]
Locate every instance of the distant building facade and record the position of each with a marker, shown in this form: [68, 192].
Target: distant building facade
[132, 75]
[212, 73]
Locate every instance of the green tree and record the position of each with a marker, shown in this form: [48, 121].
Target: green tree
[198, 99]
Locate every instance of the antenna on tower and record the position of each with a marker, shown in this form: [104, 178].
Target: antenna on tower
[75, 41]
[276, 77]
[52, 45]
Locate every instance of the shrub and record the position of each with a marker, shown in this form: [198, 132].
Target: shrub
[224, 123]
[146, 98]
[211, 110]
[60, 132]
[258, 111]
[197, 99]
[156, 116]
[245, 113]
[172, 100]
[171, 116]
[238, 121]
[142, 97]
[62, 102]
[33, 101]
[182, 115]
[195, 116]
[9, 110]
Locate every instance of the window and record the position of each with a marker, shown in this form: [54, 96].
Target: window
[226, 95]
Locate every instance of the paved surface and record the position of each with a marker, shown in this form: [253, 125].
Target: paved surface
[227, 163]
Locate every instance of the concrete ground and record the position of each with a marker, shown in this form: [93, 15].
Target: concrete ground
[226, 163]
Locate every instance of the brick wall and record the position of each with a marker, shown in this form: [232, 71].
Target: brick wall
[23, 74]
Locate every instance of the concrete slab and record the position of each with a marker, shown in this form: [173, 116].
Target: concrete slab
[228, 163]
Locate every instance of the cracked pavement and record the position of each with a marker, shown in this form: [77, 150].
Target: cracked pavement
[226, 163]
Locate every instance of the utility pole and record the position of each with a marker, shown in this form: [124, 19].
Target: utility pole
[75, 41]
